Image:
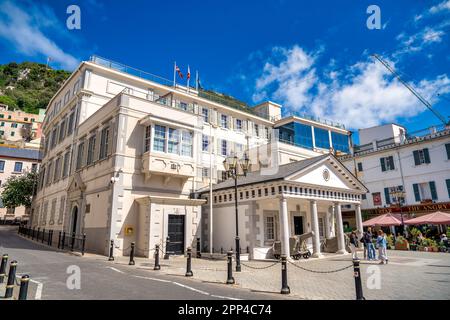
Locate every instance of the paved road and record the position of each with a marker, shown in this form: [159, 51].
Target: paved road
[103, 280]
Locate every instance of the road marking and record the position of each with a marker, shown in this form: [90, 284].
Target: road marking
[223, 297]
[38, 294]
[154, 279]
[190, 288]
[117, 270]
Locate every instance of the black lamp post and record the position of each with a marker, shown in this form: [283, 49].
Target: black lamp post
[231, 167]
[399, 194]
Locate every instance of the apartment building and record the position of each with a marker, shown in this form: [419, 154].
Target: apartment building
[125, 152]
[18, 126]
[404, 172]
[15, 162]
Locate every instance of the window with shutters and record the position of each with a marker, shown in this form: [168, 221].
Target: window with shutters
[205, 143]
[147, 139]
[224, 147]
[56, 174]
[104, 141]
[447, 148]
[49, 173]
[65, 171]
[91, 150]
[62, 204]
[224, 121]
[387, 163]
[239, 125]
[421, 156]
[80, 155]
[53, 212]
[62, 130]
[205, 114]
[70, 123]
[425, 191]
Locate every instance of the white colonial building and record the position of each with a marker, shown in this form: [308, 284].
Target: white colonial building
[390, 159]
[125, 152]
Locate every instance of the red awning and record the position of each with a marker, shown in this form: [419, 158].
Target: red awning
[385, 220]
[436, 218]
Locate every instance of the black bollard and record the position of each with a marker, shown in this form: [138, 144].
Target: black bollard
[63, 240]
[32, 233]
[72, 243]
[11, 279]
[284, 286]
[357, 275]
[166, 254]
[3, 267]
[83, 244]
[59, 239]
[199, 253]
[188, 263]
[157, 266]
[37, 233]
[230, 279]
[221, 250]
[131, 263]
[43, 235]
[50, 236]
[248, 250]
[111, 251]
[24, 287]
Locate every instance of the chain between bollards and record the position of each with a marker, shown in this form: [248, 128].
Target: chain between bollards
[157, 266]
[11, 279]
[230, 279]
[284, 282]
[188, 263]
[357, 275]
[131, 263]
[3, 267]
[111, 251]
[24, 287]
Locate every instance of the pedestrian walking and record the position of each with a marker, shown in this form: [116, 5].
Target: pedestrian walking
[382, 245]
[368, 241]
[354, 244]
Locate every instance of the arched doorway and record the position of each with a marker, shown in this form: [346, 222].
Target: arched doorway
[74, 220]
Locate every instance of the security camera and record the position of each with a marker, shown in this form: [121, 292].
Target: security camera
[114, 180]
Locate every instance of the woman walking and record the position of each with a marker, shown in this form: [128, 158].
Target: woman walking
[382, 245]
[354, 245]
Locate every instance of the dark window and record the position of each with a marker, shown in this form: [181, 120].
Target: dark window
[447, 148]
[360, 166]
[433, 190]
[448, 186]
[416, 192]
[421, 156]
[387, 163]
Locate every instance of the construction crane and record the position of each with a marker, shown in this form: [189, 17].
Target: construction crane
[413, 91]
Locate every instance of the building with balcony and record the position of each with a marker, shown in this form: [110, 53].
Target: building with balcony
[406, 173]
[125, 152]
[15, 162]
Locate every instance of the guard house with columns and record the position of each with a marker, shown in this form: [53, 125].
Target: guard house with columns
[302, 196]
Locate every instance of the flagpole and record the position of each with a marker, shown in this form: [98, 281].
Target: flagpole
[196, 80]
[188, 78]
[174, 74]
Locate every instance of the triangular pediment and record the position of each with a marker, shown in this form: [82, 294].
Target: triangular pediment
[76, 183]
[328, 173]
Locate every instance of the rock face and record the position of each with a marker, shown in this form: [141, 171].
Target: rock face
[29, 86]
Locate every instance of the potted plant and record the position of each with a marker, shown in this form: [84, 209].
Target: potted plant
[401, 243]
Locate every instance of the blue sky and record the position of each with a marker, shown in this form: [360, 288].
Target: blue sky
[310, 56]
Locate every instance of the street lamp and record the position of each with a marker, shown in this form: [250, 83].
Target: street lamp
[231, 168]
[399, 194]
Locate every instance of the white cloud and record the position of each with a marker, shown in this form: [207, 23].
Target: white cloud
[368, 95]
[25, 31]
[443, 6]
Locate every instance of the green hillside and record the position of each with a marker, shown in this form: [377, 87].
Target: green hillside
[29, 86]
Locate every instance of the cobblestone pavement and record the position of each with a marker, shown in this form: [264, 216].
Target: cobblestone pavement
[409, 275]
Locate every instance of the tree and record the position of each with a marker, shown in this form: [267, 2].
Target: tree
[18, 190]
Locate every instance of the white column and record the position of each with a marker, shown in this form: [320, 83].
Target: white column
[358, 216]
[284, 227]
[339, 229]
[328, 224]
[315, 229]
